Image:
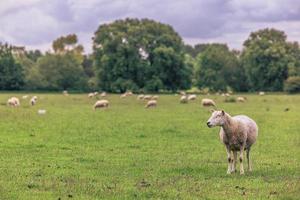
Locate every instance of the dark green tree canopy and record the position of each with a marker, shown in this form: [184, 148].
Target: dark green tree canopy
[11, 72]
[266, 59]
[134, 54]
[217, 68]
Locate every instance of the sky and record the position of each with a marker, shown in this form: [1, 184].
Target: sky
[36, 23]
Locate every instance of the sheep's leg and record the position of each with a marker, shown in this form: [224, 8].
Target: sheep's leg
[241, 159]
[229, 159]
[248, 160]
[233, 169]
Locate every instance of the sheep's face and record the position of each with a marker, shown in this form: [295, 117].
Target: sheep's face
[217, 119]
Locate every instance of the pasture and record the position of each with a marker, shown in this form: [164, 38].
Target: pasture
[129, 152]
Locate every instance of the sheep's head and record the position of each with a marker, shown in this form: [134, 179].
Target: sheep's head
[217, 118]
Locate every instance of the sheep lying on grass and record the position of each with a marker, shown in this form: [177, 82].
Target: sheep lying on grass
[238, 133]
[13, 101]
[208, 102]
[155, 97]
[192, 97]
[147, 97]
[151, 103]
[65, 93]
[101, 104]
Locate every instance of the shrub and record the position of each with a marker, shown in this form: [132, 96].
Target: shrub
[292, 84]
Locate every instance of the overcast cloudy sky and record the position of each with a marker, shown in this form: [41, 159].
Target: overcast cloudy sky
[36, 23]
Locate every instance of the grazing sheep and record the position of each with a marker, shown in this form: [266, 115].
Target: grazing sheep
[261, 93]
[183, 99]
[155, 97]
[129, 93]
[123, 95]
[147, 97]
[33, 100]
[241, 99]
[192, 97]
[13, 101]
[25, 97]
[151, 103]
[140, 97]
[238, 133]
[208, 102]
[103, 94]
[101, 104]
[91, 95]
[65, 93]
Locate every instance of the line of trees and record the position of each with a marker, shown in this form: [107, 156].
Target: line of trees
[145, 55]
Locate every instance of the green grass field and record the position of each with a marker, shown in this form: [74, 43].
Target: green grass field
[129, 152]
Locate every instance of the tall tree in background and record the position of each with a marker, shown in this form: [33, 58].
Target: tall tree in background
[11, 72]
[217, 68]
[63, 69]
[265, 58]
[133, 54]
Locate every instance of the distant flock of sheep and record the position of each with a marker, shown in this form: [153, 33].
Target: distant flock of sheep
[151, 99]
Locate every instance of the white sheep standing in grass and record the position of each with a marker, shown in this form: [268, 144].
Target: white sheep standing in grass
[151, 103]
[147, 97]
[25, 97]
[13, 101]
[241, 99]
[261, 93]
[208, 102]
[103, 94]
[33, 100]
[155, 97]
[91, 95]
[192, 97]
[183, 99]
[65, 93]
[101, 104]
[238, 133]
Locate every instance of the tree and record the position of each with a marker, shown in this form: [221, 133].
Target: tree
[292, 84]
[32, 76]
[217, 68]
[11, 72]
[139, 54]
[266, 60]
[60, 72]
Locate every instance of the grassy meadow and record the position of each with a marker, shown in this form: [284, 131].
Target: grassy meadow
[129, 152]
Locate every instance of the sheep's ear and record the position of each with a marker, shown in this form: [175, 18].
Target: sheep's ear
[223, 112]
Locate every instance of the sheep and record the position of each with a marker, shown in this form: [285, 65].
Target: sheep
[103, 94]
[237, 133]
[183, 99]
[13, 101]
[65, 93]
[151, 103]
[208, 102]
[192, 97]
[182, 93]
[33, 100]
[123, 95]
[261, 93]
[140, 97]
[101, 104]
[25, 97]
[91, 95]
[129, 93]
[42, 112]
[155, 97]
[241, 99]
[147, 97]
